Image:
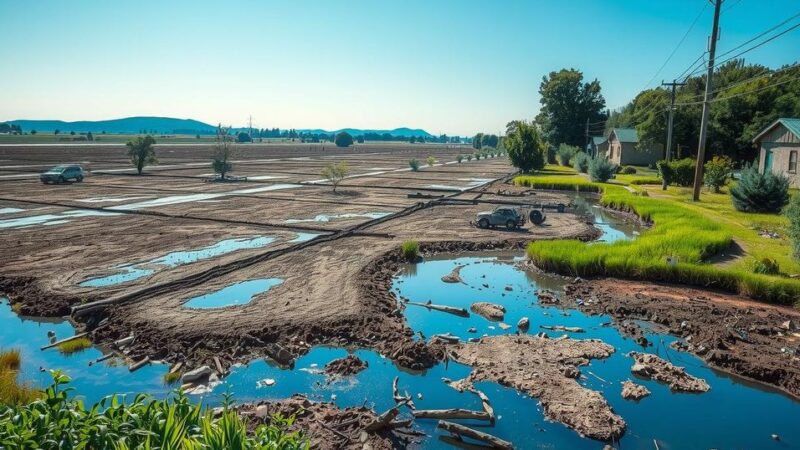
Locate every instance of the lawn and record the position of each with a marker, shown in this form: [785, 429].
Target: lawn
[694, 235]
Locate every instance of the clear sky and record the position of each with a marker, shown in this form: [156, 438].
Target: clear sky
[448, 66]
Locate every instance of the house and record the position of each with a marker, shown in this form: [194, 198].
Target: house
[624, 148]
[780, 144]
[597, 146]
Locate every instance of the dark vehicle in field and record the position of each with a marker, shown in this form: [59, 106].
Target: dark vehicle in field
[60, 174]
[501, 216]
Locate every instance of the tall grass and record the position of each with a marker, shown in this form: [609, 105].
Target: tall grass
[685, 236]
[557, 183]
[410, 250]
[12, 392]
[59, 421]
[74, 346]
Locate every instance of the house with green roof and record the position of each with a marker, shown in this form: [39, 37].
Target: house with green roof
[780, 144]
[624, 148]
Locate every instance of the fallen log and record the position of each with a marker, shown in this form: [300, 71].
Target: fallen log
[383, 421]
[443, 308]
[104, 357]
[123, 342]
[461, 431]
[57, 343]
[447, 337]
[487, 405]
[138, 365]
[217, 363]
[562, 328]
[176, 367]
[401, 399]
[454, 413]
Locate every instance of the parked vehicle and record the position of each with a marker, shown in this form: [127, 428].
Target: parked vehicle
[501, 216]
[60, 174]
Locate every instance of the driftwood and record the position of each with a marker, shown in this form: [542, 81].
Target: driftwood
[461, 431]
[562, 328]
[123, 342]
[138, 365]
[176, 367]
[487, 405]
[383, 421]
[447, 337]
[401, 399]
[454, 413]
[217, 363]
[443, 308]
[56, 343]
[104, 357]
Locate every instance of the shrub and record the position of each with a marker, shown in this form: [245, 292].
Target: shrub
[628, 170]
[665, 172]
[459, 158]
[414, 164]
[9, 360]
[469, 157]
[343, 139]
[766, 266]
[431, 161]
[335, 173]
[142, 152]
[478, 156]
[410, 250]
[683, 171]
[717, 171]
[601, 169]
[757, 192]
[525, 146]
[488, 151]
[565, 153]
[793, 214]
[581, 162]
[74, 346]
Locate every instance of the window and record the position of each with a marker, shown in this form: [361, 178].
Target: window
[793, 161]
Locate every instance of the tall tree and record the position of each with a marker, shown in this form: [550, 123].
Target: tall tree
[221, 159]
[141, 152]
[525, 146]
[567, 103]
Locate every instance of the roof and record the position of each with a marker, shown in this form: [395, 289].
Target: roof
[598, 140]
[626, 134]
[791, 124]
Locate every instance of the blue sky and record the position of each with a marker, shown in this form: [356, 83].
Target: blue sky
[448, 66]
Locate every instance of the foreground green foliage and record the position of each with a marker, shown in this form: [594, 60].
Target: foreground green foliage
[760, 192]
[57, 421]
[410, 250]
[680, 232]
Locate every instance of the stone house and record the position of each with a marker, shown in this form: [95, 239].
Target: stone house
[780, 144]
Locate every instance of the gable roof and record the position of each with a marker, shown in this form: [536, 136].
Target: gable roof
[626, 134]
[791, 124]
[598, 140]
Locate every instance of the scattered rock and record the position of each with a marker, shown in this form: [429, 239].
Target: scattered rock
[633, 391]
[266, 382]
[197, 374]
[509, 288]
[347, 366]
[503, 326]
[524, 324]
[454, 276]
[651, 366]
[472, 330]
[491, 311]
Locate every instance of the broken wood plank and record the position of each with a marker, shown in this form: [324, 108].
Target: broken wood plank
[71, 338]
[176, 367]
[453, 413]
[124, 341]
[217, 363]
[443, 308]
[447, 337]
[461, 431]
[138, 365]
[104, 357]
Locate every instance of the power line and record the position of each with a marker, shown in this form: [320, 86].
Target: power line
[768, 73]
[760, 35]
[763, 88]
[693, 66]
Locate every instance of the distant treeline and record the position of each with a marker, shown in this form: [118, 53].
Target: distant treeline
[277, 133]
[7, 128]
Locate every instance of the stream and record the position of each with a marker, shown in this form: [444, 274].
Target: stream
[733, 414]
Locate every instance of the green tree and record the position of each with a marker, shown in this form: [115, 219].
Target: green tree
[793, 214]
[335, 173]
[525, 146]
[760, 192]
[243, 137]
[477, 141]
[717, 171]
[567, 103]
[343, 139]
[221, 158]
[141, 152]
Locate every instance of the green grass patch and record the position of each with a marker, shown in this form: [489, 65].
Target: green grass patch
[74, 346]
[558, 182]
[688, 234]
[172, 377]
[410, 250]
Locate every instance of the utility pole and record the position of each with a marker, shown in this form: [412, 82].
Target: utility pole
[701, 148]
[586, 147]
[250, 122]
[673, 85]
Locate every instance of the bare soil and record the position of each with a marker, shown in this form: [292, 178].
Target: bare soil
[345, 367]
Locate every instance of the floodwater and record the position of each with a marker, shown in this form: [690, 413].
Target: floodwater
[733, 414]
[10, 210]
[329, 217]
[52, 219]
[613, 226]
[234, 295]
[130, 272]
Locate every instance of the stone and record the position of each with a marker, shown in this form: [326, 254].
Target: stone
[633, 391]
[523, 324]
[199, 373]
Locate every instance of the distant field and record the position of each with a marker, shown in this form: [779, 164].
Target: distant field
[49, 138]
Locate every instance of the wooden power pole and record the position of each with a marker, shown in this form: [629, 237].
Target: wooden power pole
[673, 85]
[701, 148]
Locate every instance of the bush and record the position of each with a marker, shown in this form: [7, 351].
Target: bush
[793, 214]
[766, 266]
[601, 169]
[410, 250]
[478, 156]
[11, 391]
[343, 139]
[525, 146]
[565, 153]
[459, 158]
[716, 173]
[431, 161]
[469, 157]
[414, 164]
[335, 173]
[581, 162]
[58, 421]
[757, 192]
[628, 170]
[680, 172]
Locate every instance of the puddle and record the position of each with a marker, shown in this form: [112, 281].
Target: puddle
[266, 177]
[10, 210]
[330, 217]
[52, 219]
[613, 227]
[233, 295]
[130, 272]
[473, 182]
[303, 237]
[179, 199]
[112, 199]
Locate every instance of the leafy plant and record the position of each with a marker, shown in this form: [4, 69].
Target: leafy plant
[766, 266]
[343, 139]
[716, 172]
[683, 171]
[628, 170]
[565, 153]
[335, 173]
[141, 152]
[601, 169]
[414, 164]
[581, 162]
[760, 192]
[410, 250]
[478, 156]
[430, 161]
[793, 214]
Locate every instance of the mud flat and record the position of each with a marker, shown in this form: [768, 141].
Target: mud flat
[343, 367]
[329, 427]
[757, 341]
[546, 369]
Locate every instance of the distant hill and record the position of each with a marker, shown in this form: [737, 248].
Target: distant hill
[402, 132]
[169, 125]
[158, 125]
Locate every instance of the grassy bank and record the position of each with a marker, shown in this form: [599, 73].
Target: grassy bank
[689, 234]
[12, 392]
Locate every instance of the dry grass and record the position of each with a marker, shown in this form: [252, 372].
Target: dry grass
[10, 360]
[12, 392]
